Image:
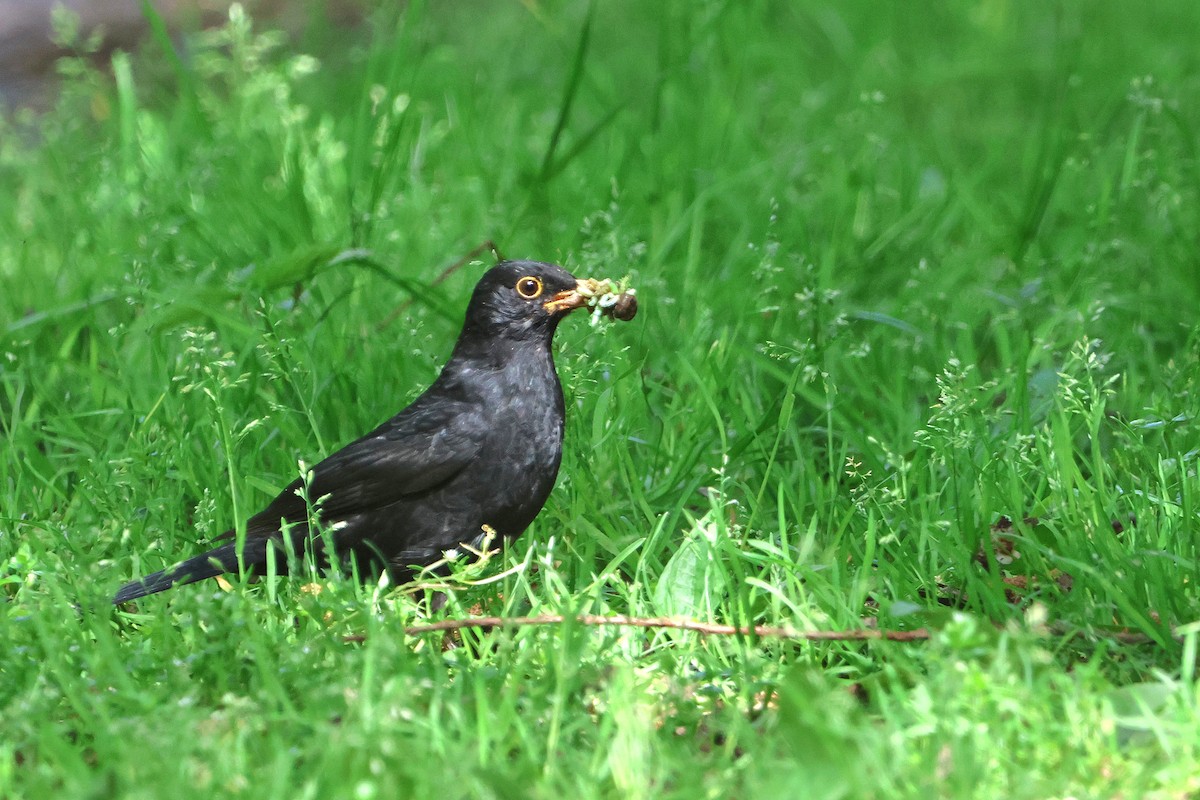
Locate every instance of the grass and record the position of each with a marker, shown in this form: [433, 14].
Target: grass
[917, 348]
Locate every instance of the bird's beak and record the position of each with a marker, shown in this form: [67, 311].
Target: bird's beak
[571, 299]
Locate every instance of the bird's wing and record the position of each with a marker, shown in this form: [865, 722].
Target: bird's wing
[422, 448]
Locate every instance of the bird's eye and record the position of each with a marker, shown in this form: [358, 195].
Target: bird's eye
[529, 287]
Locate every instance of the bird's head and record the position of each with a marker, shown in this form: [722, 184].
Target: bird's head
[523, 300]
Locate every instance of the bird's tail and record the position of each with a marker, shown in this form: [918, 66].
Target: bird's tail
[206, 565]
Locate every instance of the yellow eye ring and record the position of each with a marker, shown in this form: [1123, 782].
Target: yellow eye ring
[529, 287]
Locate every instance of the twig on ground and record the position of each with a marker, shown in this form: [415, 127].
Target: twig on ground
[707, 628]
[716, 629]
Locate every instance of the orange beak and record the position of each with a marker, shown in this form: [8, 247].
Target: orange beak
[571, 299]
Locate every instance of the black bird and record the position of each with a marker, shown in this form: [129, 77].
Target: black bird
[481, 447]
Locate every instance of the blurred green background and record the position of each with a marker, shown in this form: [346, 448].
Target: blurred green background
[917, 349]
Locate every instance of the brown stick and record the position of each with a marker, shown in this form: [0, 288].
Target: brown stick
[715, 629]
[707, 628]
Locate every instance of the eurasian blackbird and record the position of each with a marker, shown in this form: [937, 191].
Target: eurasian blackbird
[480, 448]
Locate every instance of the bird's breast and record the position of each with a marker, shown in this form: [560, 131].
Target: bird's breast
[523, 448]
